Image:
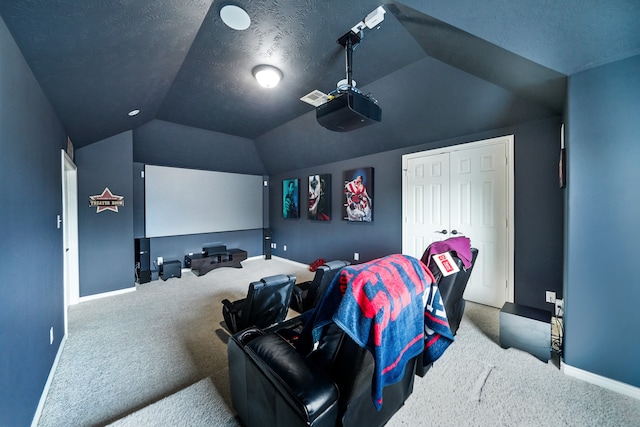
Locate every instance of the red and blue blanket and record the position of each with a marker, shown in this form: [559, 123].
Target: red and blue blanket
[387, 306]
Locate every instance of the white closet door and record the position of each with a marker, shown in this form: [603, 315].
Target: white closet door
[463, 190]
[479, 211]
[427, 207]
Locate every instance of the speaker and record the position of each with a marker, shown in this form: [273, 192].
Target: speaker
[142, 251]
[266, 238]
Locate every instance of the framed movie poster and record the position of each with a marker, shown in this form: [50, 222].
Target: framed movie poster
[290, 199]
[358, 195]
[320, 197]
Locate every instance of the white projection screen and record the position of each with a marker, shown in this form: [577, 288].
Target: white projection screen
[187, 201]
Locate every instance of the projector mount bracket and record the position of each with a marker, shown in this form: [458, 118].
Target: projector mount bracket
[348, 41]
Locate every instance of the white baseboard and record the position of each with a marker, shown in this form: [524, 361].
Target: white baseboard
[296, 263]
[45, 391]
[261, 257]
[107, 294]
[604, 382]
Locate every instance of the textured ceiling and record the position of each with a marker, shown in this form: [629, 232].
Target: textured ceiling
[176, 61]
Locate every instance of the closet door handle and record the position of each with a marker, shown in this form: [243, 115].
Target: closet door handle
[454, 232]
[441, 232]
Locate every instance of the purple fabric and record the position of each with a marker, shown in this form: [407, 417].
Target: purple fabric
[460, 245]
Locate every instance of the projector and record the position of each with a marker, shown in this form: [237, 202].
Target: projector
[348, 111]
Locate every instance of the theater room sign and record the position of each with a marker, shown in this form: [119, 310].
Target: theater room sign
[107, 201]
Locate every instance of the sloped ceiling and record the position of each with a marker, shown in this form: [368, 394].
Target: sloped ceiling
[178, 62]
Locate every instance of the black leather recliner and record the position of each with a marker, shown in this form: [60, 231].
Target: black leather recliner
[272, 384]
[308, 371]
[307, 294]
[277, 380]
[451, 290]
[266, 304]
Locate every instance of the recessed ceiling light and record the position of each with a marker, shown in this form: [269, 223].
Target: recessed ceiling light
[133, 113]
[267, 75]
[235, 17]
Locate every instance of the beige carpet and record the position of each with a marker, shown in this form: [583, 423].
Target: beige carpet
[128, 351]
[157, 357]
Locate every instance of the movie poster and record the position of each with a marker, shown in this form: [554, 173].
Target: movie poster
[320, 197]
[290, 202]
[358, 195]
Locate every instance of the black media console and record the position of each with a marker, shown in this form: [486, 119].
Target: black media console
[213, 257]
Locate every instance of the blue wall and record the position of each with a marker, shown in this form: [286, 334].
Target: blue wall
[169, 144]
[176, 247]
[602, 290]
[31, 288]
[538, 210]
[106, 238]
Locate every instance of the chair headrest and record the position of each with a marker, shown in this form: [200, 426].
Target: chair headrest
[277, 279]
[337, 264]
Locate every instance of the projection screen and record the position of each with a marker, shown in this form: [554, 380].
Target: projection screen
[187, 201]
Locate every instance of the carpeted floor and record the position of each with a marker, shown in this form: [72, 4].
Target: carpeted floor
[128, 351]
[157, 357]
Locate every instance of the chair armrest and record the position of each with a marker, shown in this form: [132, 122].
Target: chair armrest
[303, 286]
[231, 312]
[302, 384]
[229, 306]
[296, 299]
[234, 307]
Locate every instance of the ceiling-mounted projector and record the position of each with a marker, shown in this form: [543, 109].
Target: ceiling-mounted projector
[349, 109]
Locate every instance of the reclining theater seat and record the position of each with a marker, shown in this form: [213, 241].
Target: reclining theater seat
[451, 290]
[272, 384]
[266, 304]
[307, 294]
[276, 380]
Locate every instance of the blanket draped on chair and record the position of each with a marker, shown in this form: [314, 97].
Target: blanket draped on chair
[386, 306]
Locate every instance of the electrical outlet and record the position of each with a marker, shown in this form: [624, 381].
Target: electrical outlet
[550, 296]
[559, 307]
[356, 256]
[274, 246]
[284, 248]
[51, 336]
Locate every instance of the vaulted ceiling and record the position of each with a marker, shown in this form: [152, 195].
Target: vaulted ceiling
[176, 61]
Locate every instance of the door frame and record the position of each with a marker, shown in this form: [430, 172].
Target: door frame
[508, 141]
[70, 235]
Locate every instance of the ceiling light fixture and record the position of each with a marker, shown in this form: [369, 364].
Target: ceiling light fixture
[235, 17]
[267, 75]
[133, 113]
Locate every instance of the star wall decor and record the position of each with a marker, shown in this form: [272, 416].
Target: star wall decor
[107, 201]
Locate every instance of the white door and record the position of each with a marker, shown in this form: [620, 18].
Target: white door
[426, 202]
[464, 190]
[70, 234]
